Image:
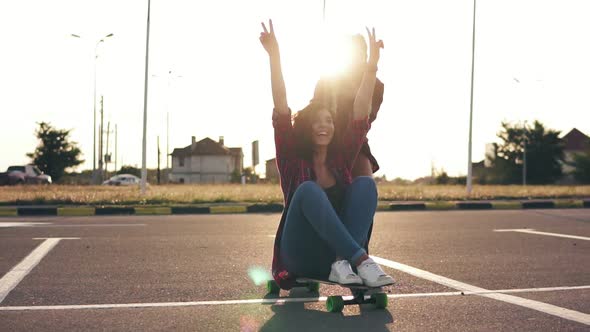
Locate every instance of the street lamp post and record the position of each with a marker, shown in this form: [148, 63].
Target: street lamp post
[469, 164]
[94, 105]
[145, 100]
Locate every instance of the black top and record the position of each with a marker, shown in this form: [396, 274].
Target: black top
[336, 196]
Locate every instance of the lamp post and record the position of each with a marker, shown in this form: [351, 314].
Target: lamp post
[145, 100]
[469, 164]
[94, 104]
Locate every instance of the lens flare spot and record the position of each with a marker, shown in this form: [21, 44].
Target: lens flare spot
[259, 275]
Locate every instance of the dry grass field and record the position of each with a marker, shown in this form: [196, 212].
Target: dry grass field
[264, 193]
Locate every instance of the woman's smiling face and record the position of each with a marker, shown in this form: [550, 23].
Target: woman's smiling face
[322, 128]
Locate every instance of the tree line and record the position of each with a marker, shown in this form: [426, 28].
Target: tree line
[533, 151]
[527, 154]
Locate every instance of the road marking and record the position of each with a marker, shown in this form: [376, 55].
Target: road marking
[573, 315]
[16, 275]
[46, 224]
[20, 224]
[93, 225]
[532, 231]
[270, 301]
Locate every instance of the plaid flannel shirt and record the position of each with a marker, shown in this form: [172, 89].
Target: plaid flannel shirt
[294, 171]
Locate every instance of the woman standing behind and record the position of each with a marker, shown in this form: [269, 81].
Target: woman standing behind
[341, 90]
[327, 218]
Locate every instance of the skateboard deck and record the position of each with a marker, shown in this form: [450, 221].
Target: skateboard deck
[328, 282]
[337, 303]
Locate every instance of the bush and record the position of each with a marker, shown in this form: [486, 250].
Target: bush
[582, 168]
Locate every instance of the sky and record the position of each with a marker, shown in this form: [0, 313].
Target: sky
[208, 71]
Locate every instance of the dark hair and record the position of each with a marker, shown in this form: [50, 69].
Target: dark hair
[302, 123]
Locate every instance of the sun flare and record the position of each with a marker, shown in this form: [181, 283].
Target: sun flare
[336, 55]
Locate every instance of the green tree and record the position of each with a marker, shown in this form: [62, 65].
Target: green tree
[236, 177]
[544, 154]
[582, 167]
[55, 152]
[126, 169]
[248, 172]
[442, 178]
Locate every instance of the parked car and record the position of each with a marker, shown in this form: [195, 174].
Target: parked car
[122, 180]
[27, 174]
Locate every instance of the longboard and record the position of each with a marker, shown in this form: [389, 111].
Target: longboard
[335, 303]
[306, 281]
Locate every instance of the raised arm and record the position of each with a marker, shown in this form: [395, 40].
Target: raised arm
[364, 95]
[279, 93]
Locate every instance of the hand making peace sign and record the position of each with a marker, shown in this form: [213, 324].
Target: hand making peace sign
[374, 47]
[268, 39]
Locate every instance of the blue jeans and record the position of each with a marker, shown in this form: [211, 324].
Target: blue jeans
[314, 234]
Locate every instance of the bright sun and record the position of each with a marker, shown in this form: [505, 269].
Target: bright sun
[336, 56]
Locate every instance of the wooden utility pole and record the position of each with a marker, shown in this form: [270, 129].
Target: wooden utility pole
[107, 157]
[158, 159]
[167, 140]
[116, 152]
[100, 133]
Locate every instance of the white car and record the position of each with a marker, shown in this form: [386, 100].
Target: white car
[123, 180]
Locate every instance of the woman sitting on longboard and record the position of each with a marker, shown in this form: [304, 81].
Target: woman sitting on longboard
[313, 240]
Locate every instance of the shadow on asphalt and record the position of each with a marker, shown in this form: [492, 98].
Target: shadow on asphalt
[293, 316]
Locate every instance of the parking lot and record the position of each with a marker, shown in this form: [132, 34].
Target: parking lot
[512, 270]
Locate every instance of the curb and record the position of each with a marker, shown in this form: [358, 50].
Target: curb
[189, 210]
[490, 205]
[407, 207]
[538, 205]
[107, 211]
[36, 211]
[260, 208]
[278, 208]
[10, 212]
[474, 205]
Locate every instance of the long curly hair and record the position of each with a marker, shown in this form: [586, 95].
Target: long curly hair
[302, 128]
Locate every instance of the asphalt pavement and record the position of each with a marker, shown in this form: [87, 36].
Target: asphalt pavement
[505, 270]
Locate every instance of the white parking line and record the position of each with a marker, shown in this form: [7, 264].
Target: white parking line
[270, 301]
[16, 275]
[20, 224]
[91, 225]
[573, 315]
[46, 224]
[532, 231]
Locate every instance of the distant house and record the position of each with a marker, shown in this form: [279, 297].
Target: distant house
[206, 161]
[272, 172]
[575, 142]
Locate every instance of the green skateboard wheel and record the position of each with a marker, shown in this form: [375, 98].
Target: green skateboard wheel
[313, 287]
[272, 287]
[335, 303]
[380, 300]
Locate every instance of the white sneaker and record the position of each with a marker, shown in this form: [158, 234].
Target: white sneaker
[342, 273]
[372, 274]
